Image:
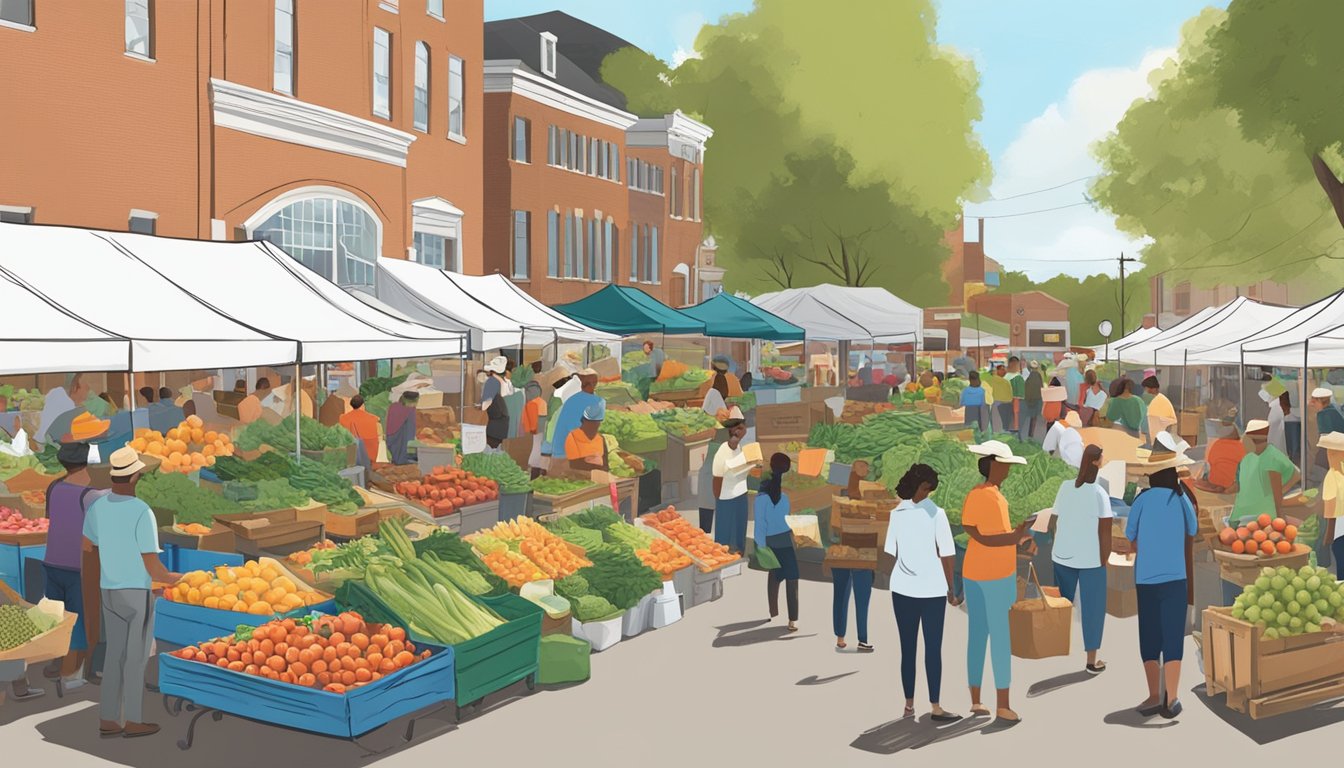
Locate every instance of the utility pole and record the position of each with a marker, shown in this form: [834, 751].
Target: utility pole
[1124, 327]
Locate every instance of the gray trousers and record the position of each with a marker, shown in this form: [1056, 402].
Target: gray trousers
[128, 621]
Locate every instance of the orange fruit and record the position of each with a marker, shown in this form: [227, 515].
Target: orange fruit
[1260, 536]
[1285, 548]
[1279, 524]
[1266, 549]
[1253, 526]
[1265, 521]
[1243, 532]
[1290, 532]
[1238, 547]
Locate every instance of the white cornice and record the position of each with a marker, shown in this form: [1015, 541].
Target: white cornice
[282, 118]
[681, 135]
[511, 76]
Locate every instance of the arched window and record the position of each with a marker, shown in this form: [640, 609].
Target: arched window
[331, 233]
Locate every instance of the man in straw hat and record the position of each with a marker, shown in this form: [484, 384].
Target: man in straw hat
[730, 471]
[1332, 497]
[121, 535]
[1262, 476]
[990, 575]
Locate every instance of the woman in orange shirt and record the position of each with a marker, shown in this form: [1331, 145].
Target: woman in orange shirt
[990, 575]
[585, 448]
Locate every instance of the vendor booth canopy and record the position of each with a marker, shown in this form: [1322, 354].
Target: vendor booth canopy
[491, 308]
[1216, 341]
[1313, 334]
[43, 337]
[1141, 351]
[727, 316]
[840, 313]
[261, 286]
[628, 311]
[94, 276]
[1100, 351]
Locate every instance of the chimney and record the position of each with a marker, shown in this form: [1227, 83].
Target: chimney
[1150, 321]
[982, 232]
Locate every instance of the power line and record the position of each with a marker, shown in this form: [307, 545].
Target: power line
[1039, 191]
[1032, 213]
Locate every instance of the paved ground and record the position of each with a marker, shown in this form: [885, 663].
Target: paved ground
[725, 685]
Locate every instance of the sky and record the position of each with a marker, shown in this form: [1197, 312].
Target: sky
[1055, 77]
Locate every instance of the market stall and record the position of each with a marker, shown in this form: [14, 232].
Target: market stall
[625, 311]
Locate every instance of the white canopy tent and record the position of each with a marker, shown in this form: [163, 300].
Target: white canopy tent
[973, 339]
[840, 313]
[1101, 351]
[92, 276]
[263, 287]
[491, 308]
[1141, 353]
[45, 338]
[1218, 342]
[1312, 336]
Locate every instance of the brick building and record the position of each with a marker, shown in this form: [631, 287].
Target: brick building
[580, 192]
[1175, 300]
[343, 130]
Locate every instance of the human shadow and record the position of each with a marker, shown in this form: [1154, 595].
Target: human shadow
[814, 680]
[17, 710]
[755, 637]
[1272, 729]
[1052, 684]
[1130, 718]
[913, 733]
[741, 626]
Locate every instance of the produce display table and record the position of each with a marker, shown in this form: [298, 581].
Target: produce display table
[550, 507]
[216, 691]
[12, 555]
[1263, 677]
[1244, 569]
[182, 624]
[483, 665]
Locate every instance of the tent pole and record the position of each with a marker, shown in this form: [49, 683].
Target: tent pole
[1184, 368]
[1241, 386]
[298, 410]
[1302, 407]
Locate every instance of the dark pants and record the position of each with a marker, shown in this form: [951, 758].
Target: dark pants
[860, 582]
[786, 573]
[65, 584]
[707, 520]
[911, 612]
[1005, 411]
[1162, 621]
[1337, 550]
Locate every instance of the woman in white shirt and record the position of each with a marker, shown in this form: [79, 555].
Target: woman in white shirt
[920, 539]
[1082, 524]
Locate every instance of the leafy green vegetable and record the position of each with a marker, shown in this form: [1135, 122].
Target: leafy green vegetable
[571, 587]
[596, 518]
[379, 385]
[450, 548]
[630, 427]
[691, 379]
[275, 494]
[558, 486]
[618, 575]
[628, 535]
[499, 467]
[176, 493]
[313, 435]
[684, 421]
[593, 608]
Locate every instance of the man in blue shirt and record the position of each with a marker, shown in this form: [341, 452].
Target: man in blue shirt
[571, 413]
[120, 533]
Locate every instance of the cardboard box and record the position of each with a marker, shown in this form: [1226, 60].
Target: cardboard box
[607, 368]
[226, 402]
[1122, 603]
[219, 539]
[283, 528]
[820, 394]
[784, 423]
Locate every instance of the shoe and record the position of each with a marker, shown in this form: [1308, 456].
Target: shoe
[134, 730]
[52, 670]
[1171, 709]
[944, 717]
[1096, 669]
[30, 694]
[109, 728]
[865, 648]
[1149, 710]
[73, 683]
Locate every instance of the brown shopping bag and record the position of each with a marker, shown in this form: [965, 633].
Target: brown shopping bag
[1040, 627]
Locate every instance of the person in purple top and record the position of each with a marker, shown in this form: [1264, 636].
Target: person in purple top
[67, 500]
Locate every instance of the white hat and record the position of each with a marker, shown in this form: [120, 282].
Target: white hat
[1034, 365]
[1001, 452]
[1333, 441]
[1072, 419]
[497, 365]
[1170, 442]
[1322, 392]
[1257, 425]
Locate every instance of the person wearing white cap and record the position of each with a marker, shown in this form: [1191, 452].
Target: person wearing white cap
[1332, 497]
[120, 531]
[1262, 476]
[990, 575]
[492, 402]
[585, 448]
[1329, 418]
[571, 413]
[1065, 440]
[730, 472]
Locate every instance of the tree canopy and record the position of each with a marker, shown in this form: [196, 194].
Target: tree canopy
[1217, 166]
[806, 181]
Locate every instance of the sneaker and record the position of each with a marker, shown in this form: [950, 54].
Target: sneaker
[73, 683]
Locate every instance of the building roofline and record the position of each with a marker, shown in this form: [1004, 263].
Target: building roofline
[513, 76]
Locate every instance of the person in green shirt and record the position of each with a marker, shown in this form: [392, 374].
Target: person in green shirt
[1126, 411]
[1002, 391]
[1018, 384]
[1262, 477]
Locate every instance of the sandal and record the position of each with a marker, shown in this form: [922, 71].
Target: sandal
[840, 643]
[865, 648]
[1096, 669]
[1171, 709]
[979, 710]
[909, 713]
[1014, 719]
[944, 717]
[791, 628]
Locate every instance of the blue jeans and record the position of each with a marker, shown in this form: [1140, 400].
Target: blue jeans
[987, 604]
[1337, 551]
[977, 416]
[64, 584]
[1092, 583]
[860, 582]
[911, 612]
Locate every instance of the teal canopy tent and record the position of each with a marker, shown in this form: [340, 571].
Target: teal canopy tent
[727, 316]
[628, 311]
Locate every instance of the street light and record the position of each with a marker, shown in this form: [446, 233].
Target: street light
[1105, 328]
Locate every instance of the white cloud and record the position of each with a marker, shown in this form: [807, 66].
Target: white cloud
[685, 28]
[681, 54]
[1051, 149]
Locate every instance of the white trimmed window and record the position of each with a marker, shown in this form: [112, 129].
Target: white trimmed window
[654, 275]
[336, 237]
[282, 78]
[18, 13]
[522, 252]
[435, 8]
[522, 140]
[593, 267]
[552, 243]
[676, 195]
[456, 107]
[382, 73]
[437, 233]
[548, 54]
[551, 146]
[614, 163]
[634, 252]
[142, 222]
[695, 193]
[421, 111]
[139, 28]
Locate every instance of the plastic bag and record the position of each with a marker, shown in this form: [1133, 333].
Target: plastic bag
[19, 446]
[765, 558]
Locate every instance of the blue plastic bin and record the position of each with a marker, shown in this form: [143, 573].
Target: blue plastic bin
[11, 563]
[353, 714]
[182, 624]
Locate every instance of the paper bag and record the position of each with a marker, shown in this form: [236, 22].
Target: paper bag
[1040, 627]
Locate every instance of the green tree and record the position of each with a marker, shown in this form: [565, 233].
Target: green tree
[799, 163]
[1091, 299]
[1220, 204]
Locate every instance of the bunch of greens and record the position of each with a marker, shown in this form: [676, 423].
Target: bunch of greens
[499, 467]
[691, 379]
[13, 465]
[450, 548]
[325, 486]
[379, 385]
[175, 492]
[620, 576]
[597, 518]
[275, 494]
[271, 465]
[629, 427]
[558, 486]
[313, 435]
[593, 608]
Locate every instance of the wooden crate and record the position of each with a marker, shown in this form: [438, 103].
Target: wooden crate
[1263, 677]
[1245, 569]
[283, 529]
